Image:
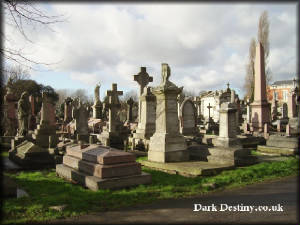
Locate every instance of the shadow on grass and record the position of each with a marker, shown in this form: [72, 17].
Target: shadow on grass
[45, 189]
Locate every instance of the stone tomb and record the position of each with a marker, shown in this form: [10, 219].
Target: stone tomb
[99, 167]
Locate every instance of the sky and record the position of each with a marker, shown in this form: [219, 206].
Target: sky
[206, 45]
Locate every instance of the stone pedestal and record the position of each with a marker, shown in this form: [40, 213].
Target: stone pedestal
[167, 144]
[98, 167]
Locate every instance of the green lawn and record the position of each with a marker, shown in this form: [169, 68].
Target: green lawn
[45, 190]
[4, 153]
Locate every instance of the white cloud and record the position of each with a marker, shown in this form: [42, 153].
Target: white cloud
[206, 45]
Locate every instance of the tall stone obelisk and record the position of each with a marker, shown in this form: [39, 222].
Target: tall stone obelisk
[260, 106]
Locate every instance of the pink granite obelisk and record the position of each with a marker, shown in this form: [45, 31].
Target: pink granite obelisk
[260, 105]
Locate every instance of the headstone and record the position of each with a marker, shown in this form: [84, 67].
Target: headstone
[227, 127]
[292, 105]
[81, 116]
[97, 107]
[24, 111]
[98, 167]
[188, 117]
[143, 79]
[111, 134]
[46, 130]
[10, 118]
[130, 103]
[167, 144]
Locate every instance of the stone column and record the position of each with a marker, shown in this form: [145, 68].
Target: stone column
[292, 105]
[274, 108]
[260, 105]
[167, 144]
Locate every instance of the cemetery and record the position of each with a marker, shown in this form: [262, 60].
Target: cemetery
[121, 152]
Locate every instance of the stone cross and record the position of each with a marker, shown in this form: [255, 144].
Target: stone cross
[130, 103]
[143, 79]
[113, 105]
[209, 107]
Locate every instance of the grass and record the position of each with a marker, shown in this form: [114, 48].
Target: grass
[4, 153]
[45, 190]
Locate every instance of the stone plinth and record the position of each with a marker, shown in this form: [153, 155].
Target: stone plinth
[98, 167]
[167, 144]
[227, 127]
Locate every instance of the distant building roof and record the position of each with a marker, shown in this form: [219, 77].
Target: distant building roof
[284, 82]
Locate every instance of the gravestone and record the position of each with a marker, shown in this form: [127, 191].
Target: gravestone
[260, 105]
[227, 128]
[98, 167]
[111, 135]
[129, 103]
[188, 117]
[167, 144]
[45, 134]
[143, 79]
[284, 111]
[24, 111]
[10, 118]
[81, 115]
[97, 107]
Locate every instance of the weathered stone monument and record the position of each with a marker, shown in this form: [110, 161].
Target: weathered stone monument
[260, 105]
[81, 115]
[274, 106]
[10, 119]
[167, 144]
[143, 79]
[97, 107]
[284, 111]
[68, 110]
[45, 134]
[38, 151]
[129, 103]
[24, 111]
[188, 117]
[98, 167]
[112, 133]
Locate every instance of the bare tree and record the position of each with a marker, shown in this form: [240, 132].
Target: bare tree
[263, 38]
[249, 78]
[21, 14]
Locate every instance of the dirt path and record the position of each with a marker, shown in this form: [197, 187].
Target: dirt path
[270, 193]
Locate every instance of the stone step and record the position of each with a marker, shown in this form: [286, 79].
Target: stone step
[95, 183]
[283, 142]
[102, 171]
[278, 150]
[100, 154]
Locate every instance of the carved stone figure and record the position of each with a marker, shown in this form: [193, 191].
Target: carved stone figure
[24, 111]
